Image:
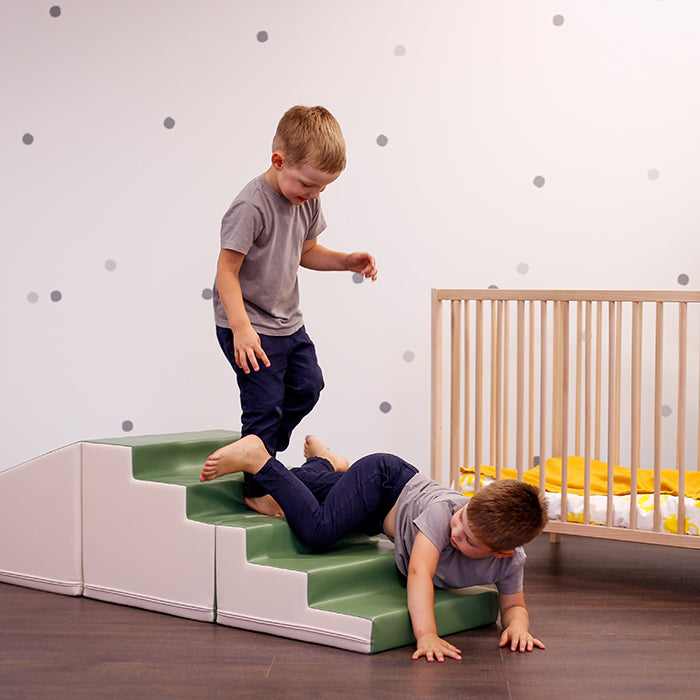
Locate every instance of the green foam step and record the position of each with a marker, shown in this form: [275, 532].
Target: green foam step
[356, 577]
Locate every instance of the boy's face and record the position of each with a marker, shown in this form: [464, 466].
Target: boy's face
[298, 183]
[464, 540]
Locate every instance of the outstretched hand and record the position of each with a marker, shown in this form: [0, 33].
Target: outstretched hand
[434, 648]
[520, 639]
[362, 263]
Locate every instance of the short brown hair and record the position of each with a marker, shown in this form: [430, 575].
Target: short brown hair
[506, 514]
[311, 135]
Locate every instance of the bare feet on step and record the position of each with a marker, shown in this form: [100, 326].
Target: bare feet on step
[245, 455]
[313, 447]
[265, 505]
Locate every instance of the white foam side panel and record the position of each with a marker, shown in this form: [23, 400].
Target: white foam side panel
[274, 601]
[139, 548]
[40, 523]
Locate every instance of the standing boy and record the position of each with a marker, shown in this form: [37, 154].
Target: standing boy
[269, 230]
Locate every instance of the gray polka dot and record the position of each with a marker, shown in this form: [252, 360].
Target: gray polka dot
[409, 356]
[127, 426]
[56, 295]
[32, 297]
[399, 50]
[523, 268]
[207, 293]
[385, 407]
[262, 37]
[666, 410]
[493, 286]
[558, 20]
[382, 140]
[28, 139]
[683, 279]
[168, 122]
[653, 174]
[55, 11]
[538, 181]
[357, 278]
[535, 460]
[110, 265]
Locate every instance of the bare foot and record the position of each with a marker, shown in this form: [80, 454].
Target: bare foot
[313, 447]
[245, 455]
[266, 505]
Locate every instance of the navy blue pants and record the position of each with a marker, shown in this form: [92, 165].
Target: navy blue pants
[276, 398]
[322, 505]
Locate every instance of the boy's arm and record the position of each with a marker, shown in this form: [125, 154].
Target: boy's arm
[515, 621]
[246, 342]
[421, 596]
[318, 257]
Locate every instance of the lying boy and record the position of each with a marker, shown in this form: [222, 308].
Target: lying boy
[440, 537]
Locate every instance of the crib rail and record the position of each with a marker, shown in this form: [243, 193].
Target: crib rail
[521, 376]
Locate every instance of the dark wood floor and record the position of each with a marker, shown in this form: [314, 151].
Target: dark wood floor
[619, 621]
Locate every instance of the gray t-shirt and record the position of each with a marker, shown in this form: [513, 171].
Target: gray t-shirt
[270, 231]
[426, 506]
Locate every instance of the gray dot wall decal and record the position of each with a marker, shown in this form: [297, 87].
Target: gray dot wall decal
[127, 426]
[666, 410]
[557, 20]
[538, 181]
[385, 407]
[56, 295]
[683, 279]
[110, 265]
[653, 174]
[262, 36]
[32, 297]
[399, 50]
[382, 140]
[27, 139]
[409, 356]
[357, 278]
[523, 268]
[168, 122]
[55, 11]
[207, 293]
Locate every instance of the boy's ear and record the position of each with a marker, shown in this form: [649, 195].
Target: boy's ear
[504, 555]
[277, 160]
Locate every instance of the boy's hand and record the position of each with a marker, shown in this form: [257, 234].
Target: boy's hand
[520, 639]
[362, 263]
[247, 348]
[432, 647]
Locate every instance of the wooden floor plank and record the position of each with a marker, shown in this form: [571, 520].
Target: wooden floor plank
[618, 619]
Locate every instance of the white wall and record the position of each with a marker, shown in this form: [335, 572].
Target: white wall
[110, 220]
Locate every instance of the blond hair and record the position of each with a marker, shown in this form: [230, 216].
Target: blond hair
[506, 514]
[311, 135]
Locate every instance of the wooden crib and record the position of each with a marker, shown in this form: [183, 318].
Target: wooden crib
[574, 381]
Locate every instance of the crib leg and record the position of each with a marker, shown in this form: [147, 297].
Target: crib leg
[554, 538]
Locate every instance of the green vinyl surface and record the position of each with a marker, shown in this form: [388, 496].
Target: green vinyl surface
[357, 576]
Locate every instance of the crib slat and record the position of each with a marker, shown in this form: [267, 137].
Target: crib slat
[498, 435]
[587, 418]
[564, 410]
[612, 417]
[658, 398]
[531, 390]
[635, 408]
[467, 385]
[478, 390]
[598, 376]
[543, 393]
[505, 396]
[455, 387]
[682, 379]
[577, 399]
[520, 388]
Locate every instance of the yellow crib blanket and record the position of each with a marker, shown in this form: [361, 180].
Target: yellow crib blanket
[599, 478]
